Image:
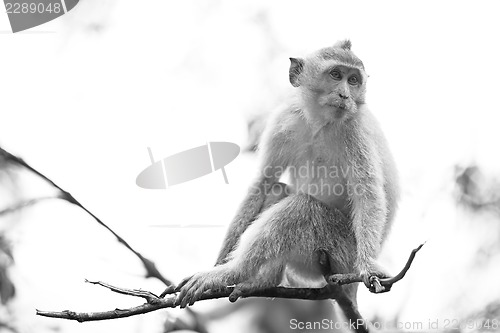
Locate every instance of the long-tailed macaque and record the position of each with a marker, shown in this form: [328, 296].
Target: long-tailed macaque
[340, 197]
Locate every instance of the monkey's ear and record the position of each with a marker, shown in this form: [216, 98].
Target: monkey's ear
[296, 67]
[343, 44]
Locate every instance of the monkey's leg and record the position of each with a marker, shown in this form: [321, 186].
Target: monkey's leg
[255, 264]
[269, 276]
[263, 194]
[289, 231]
[311, 225]
[346, 297]
[223, 275]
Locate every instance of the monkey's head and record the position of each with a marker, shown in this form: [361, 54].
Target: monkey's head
[332, 82]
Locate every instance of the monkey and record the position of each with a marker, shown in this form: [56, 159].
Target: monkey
[339, 199]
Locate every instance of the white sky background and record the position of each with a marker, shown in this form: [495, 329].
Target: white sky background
[83, 105]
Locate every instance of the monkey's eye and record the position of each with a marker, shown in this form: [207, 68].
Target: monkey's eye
[335, 74]
[353, 80]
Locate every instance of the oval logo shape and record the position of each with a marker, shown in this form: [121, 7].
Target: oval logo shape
[188, 165]
[25, 14]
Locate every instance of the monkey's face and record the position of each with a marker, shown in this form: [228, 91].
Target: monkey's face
[334, 91]
[332, 83]
[339, 90]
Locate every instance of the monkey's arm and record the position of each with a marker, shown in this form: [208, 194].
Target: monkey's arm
[249, 209]
[369, 205]
[276, 149]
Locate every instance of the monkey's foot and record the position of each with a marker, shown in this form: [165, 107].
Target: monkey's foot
[245, 288]
[192, 288]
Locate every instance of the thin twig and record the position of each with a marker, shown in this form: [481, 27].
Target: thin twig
[147, 295]
[379, 285]
[391, 281]
[24, 204]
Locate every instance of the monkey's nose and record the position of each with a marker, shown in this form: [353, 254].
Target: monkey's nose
[343, 96]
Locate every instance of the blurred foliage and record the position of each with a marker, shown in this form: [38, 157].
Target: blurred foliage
[476, 190]
[7, 289]
[8, 190]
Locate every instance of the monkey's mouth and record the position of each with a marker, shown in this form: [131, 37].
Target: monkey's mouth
[339, 107]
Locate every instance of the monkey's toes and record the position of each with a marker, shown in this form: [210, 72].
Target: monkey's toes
[242, 290]
[237, 293]
[183, 283]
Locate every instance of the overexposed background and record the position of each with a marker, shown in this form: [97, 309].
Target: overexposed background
[83, 96]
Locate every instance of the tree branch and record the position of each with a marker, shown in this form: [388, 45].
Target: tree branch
[151, 270]
[154, 302]
[331, 291]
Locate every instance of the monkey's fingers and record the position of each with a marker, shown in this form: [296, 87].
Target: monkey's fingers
[376, 287]
[365, 277]
[374, 281]
[196, 296]
[180, 299]
[191, 292]
[193, 295]
[182, 283]
[169, 290]
[188, 297]
[182, 288]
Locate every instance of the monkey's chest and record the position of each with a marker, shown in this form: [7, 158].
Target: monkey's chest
[322, 175]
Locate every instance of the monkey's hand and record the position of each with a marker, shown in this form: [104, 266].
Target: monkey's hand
[370, 278]
[191, 288]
